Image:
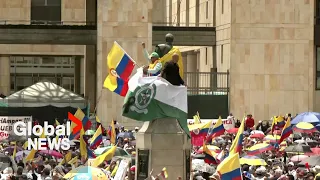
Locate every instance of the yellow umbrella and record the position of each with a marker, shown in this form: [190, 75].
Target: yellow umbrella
[272, 138]
[304, 127]
[86, 172]
[253, 161]
[259, 148]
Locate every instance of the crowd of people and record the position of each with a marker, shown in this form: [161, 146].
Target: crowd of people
[274, 163]
[47, 166]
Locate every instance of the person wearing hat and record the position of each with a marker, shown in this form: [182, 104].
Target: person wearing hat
[155, 65]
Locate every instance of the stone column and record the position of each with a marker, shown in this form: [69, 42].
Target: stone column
[187, 12]
[90, 81]
[5, 83]
[162, 143]
[77, 74]
[192, 77]
[90, 59]
[129, 23]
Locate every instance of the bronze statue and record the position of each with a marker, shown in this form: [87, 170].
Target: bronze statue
[163, 49]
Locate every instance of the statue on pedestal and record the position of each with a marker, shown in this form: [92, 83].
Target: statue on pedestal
[155, 66]
[163, 49]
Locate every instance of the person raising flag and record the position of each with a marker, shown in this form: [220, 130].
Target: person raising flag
[155, 66]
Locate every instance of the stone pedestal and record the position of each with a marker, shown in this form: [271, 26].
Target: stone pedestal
[162, 143]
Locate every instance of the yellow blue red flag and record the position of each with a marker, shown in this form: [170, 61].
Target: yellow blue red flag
[236, 146]
[168, 57]
[96, 138]
[286, 131]
[209, 155]
[120, 66]
[229, 168]
[217, 130]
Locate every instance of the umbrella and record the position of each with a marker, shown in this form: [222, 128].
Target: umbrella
[253, 161]
[312, 161]
[119, 151]
[20, 155]
[256, 132]
[90, 132]
[298, 158]
[5, 161]
[259, 148]
[53, 153]
[310, 117]
[272, 138]
[232, 130]
[258, 136]
[125, 135]
[87, 173]
[298, 148]
[11, 149]
[318, 127]
[315, 151]
[304, 127]
[300, 141]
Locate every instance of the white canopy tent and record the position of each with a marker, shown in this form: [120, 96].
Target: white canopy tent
[45, 94]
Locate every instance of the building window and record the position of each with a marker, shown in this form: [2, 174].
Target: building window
[318, 69]
[222, 6]
[207, 10]
[45, 11]
[317, 11]
[221, 54]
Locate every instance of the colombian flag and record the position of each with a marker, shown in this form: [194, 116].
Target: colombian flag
[286, 131]
[236, 146]
[229, 168]
[86, 123]
[202, 129]
[209, 157]
[278, 122]
[84, 150]
[217, 130]
[199, 132]
[96, 138]
[120, 66]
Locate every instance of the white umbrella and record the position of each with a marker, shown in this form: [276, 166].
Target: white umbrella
[256, 132]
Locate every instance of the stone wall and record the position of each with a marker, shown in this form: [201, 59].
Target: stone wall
[15, 11]
[129, 23]
[73, 12]
[272, 57]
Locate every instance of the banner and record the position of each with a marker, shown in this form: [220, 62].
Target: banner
[7, 123]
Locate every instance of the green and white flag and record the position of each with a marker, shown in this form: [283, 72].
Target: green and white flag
[150, 98]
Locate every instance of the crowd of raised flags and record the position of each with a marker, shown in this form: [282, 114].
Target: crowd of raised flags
[228, 163]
